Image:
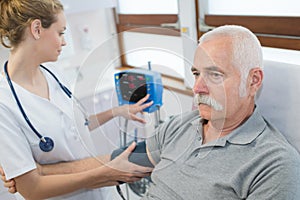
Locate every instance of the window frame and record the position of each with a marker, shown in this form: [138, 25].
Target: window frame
[272, 31]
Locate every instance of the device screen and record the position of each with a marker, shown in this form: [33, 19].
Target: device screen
[133, 86]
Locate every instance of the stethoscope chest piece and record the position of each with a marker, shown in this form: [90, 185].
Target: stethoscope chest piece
[46, 144]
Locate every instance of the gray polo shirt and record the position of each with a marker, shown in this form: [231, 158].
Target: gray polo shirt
[253, 162]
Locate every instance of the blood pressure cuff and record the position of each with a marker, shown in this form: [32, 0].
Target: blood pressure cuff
[138, 155]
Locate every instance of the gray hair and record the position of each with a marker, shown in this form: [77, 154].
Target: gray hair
[246, 49]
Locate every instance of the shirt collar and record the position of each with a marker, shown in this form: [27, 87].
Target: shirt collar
[244, 134]
[196, 121]
[249, 130]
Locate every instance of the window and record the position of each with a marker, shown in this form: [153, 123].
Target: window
[148, 7]
[149, 31]
[276, 26]
[254, 7]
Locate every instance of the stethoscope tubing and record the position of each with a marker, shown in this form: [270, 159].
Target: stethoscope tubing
[46, 143]
[70, 95]
[19, 103]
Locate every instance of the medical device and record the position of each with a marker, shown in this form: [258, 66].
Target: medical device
[132, 85]
[138, 155]
[46, 143]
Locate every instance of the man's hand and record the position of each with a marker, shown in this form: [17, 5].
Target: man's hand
[9, 184]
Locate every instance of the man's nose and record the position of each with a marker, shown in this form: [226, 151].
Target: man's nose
[200, 86]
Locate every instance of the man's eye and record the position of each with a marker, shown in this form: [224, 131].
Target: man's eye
[215, 77]
[196, 74]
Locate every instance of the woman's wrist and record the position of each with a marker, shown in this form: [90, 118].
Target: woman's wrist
[116, 111]
[39, 169]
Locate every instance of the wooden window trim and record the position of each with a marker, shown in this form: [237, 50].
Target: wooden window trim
[149, 30]
[278, 32]
[259, 24]
[149, 19]
[144, 23]
[148, 23]
[278, 42]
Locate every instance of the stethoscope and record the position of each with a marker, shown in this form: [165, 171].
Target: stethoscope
[46, 143]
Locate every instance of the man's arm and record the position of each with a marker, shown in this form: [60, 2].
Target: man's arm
[279, 180]
[150, 157]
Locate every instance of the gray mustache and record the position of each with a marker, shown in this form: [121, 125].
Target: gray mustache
[205, 99]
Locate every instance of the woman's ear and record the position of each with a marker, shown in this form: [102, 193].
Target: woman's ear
[256, 77]
[36, 26]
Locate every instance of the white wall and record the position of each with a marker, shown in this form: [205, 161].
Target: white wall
[3, 55]
[101, 36]
[73, 6]
[148, 7]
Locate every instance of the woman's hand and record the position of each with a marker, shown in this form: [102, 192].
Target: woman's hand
[130, 111]
[9, 184]
[120, 169]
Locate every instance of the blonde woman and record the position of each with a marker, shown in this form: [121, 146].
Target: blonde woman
[36, 110]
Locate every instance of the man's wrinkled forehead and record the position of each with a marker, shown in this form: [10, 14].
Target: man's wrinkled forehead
[202, 58]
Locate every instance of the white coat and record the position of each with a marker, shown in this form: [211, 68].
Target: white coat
[56, 118]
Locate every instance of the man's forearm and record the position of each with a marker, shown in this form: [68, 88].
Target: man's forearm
[73, 166]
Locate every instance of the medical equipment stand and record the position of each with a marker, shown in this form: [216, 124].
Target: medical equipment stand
[139, 187]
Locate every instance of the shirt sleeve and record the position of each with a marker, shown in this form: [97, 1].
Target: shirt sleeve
[280, 180]
[15, 152]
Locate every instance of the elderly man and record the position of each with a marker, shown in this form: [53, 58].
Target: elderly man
[226, 149]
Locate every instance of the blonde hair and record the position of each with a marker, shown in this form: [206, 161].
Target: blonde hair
[16, 16]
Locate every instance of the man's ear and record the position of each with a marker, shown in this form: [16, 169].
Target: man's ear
[36, 26]
[256, 77]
